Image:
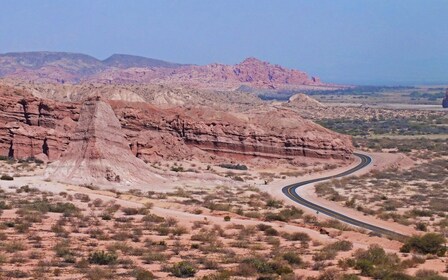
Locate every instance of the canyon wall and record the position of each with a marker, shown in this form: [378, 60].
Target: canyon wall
[34, 127]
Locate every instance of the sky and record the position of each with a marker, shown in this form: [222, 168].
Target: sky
[369, 42]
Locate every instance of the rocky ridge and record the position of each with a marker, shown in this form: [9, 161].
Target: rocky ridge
[99, 152]
[39, 127]
[54, 67]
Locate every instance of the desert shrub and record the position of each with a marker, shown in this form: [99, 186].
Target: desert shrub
[271, 232]
[3, 205]
[349, 277]
[325, 254]
[14, 246]
[220, 275]
[180, 230]
[374, 262]
[183, 269]
[421, 226]
[177, 169]
[270, 216]
[234, 166]
[66, 208]
[429, 243]
[342, 245]
[428, 275]
[6, 177]
[153, 218]
[142, 274]
[297, 236]
[329, 274]
[263, 266]
[227, 218]
[102, 258]
[62, 249]
[16, 273]
[274, 203]
[152, 257]
[292, 257]
[82, 197]
[97, 273]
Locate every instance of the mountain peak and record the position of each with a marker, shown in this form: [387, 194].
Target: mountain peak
[253, 60]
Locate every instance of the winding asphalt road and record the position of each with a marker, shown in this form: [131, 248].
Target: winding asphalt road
[290, 192]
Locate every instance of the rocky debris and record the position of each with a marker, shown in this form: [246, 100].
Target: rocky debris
[301, 100]
[55, 67]
[445, 100]
[98, 152]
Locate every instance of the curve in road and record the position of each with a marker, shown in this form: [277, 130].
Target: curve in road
[290, 192]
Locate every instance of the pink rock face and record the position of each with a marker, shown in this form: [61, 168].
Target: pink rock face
[99, 152]
[251, 72]
[275, 134]
[47, 67]
[32, 126]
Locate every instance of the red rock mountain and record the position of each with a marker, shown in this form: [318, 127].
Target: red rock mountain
[44, 67]
[35, 127]
[99, 152]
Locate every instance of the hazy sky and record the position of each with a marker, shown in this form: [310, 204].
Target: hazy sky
[345, 41]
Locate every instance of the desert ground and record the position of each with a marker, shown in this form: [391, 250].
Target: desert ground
[156, 176]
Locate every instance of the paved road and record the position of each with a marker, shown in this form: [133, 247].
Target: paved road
[290, 192]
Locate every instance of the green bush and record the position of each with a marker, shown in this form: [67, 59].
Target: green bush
[227, 218]
[429, 243]
[233, 166]
[375, 263]
[102, 258]
[183, 269]
[292, 258]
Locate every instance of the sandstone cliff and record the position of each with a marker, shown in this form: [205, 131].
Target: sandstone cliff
[99, 152]
[32, 126]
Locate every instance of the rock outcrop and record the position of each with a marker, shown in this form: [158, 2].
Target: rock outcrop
[32, 126]
[55, 67]
[301, 100]
[275, 133]
[251, 72]
[99, 152]
[445, 100]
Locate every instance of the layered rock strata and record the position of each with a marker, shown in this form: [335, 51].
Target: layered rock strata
[31, 126]
[99, 152]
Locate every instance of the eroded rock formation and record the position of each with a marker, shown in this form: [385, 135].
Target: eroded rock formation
[301, 100]
[274, 133]
[99, 152]
[32, 126]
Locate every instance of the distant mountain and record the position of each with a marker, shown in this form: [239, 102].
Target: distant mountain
[127, 61]
[49, 64]
[60, 67]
